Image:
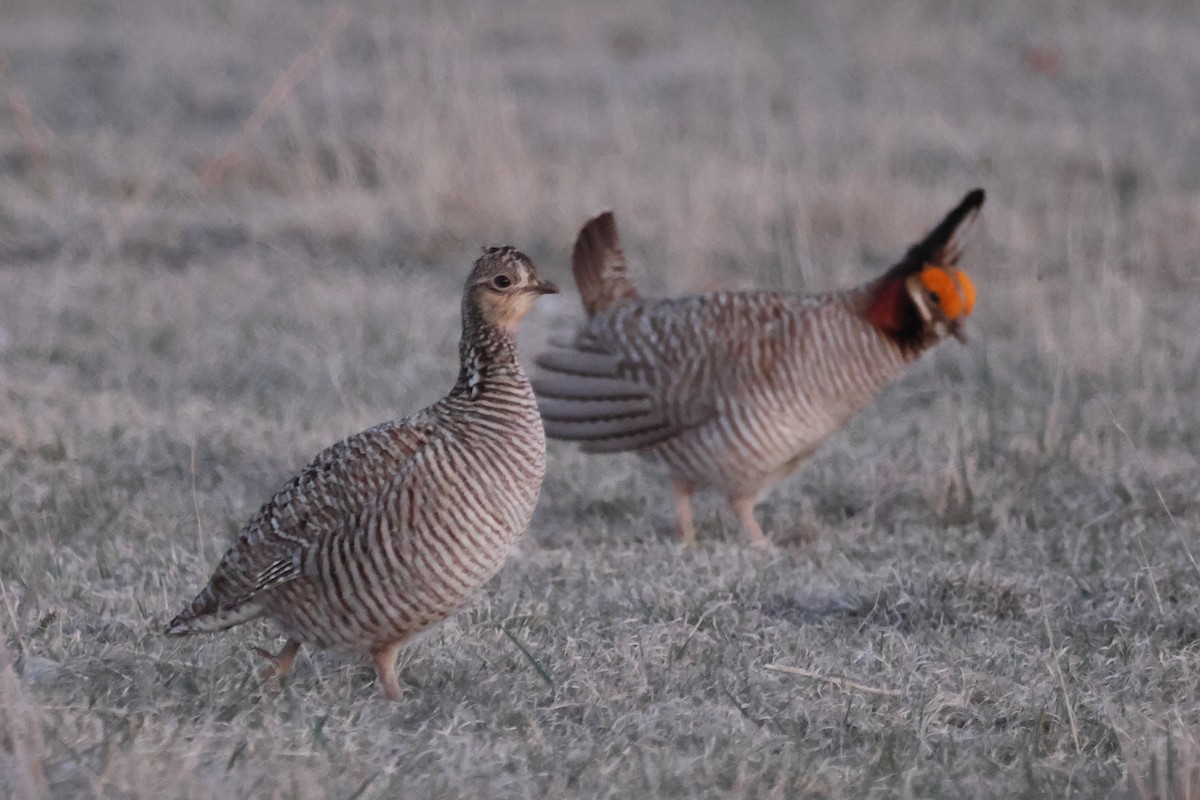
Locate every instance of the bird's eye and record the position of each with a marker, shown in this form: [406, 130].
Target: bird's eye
[934, 297]
[502, 281]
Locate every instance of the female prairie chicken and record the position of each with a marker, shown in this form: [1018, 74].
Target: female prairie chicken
[390, 531]
[732, 390]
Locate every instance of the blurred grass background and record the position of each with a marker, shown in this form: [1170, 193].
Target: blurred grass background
[232, 232]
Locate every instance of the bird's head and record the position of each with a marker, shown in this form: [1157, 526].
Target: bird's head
[502, 287]
[943, 298]
[926, 296]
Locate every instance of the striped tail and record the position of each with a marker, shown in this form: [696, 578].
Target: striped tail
[599, 266]
[206, 615]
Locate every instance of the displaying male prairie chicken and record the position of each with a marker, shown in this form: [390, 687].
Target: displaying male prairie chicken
[732, 390]
[390, 531]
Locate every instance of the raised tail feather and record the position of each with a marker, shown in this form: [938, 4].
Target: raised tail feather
[941, 247]
[599, 266]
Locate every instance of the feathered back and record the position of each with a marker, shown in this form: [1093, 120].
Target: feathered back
[599, 266]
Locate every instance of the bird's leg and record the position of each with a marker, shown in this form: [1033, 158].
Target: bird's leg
[683, 512]
[385, 669]
[743, 508]
[281, 662]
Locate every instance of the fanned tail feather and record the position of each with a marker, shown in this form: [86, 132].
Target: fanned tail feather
[599, 266]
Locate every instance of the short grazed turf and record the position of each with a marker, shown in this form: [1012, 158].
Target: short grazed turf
[988, 580]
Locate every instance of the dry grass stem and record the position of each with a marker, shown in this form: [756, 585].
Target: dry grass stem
[1054, 666]
[283, 87]
[841, 683]
[27, 128]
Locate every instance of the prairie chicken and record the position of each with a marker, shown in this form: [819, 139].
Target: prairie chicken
[732, 390]
[390, 531]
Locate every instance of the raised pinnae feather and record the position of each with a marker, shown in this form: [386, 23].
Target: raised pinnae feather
[942, 246]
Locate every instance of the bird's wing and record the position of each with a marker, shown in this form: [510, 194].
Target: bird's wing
[323, 500]
[648, 371]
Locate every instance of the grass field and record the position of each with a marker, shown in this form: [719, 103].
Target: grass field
[232, 233]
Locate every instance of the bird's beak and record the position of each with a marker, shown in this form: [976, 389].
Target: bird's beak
[544, 287]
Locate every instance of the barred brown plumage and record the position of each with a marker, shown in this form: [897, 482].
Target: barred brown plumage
[390, 531]
[732, 390]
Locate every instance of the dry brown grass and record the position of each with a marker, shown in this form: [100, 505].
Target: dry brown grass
[1002, 548]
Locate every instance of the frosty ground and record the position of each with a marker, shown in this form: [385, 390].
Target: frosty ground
[232, 233]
